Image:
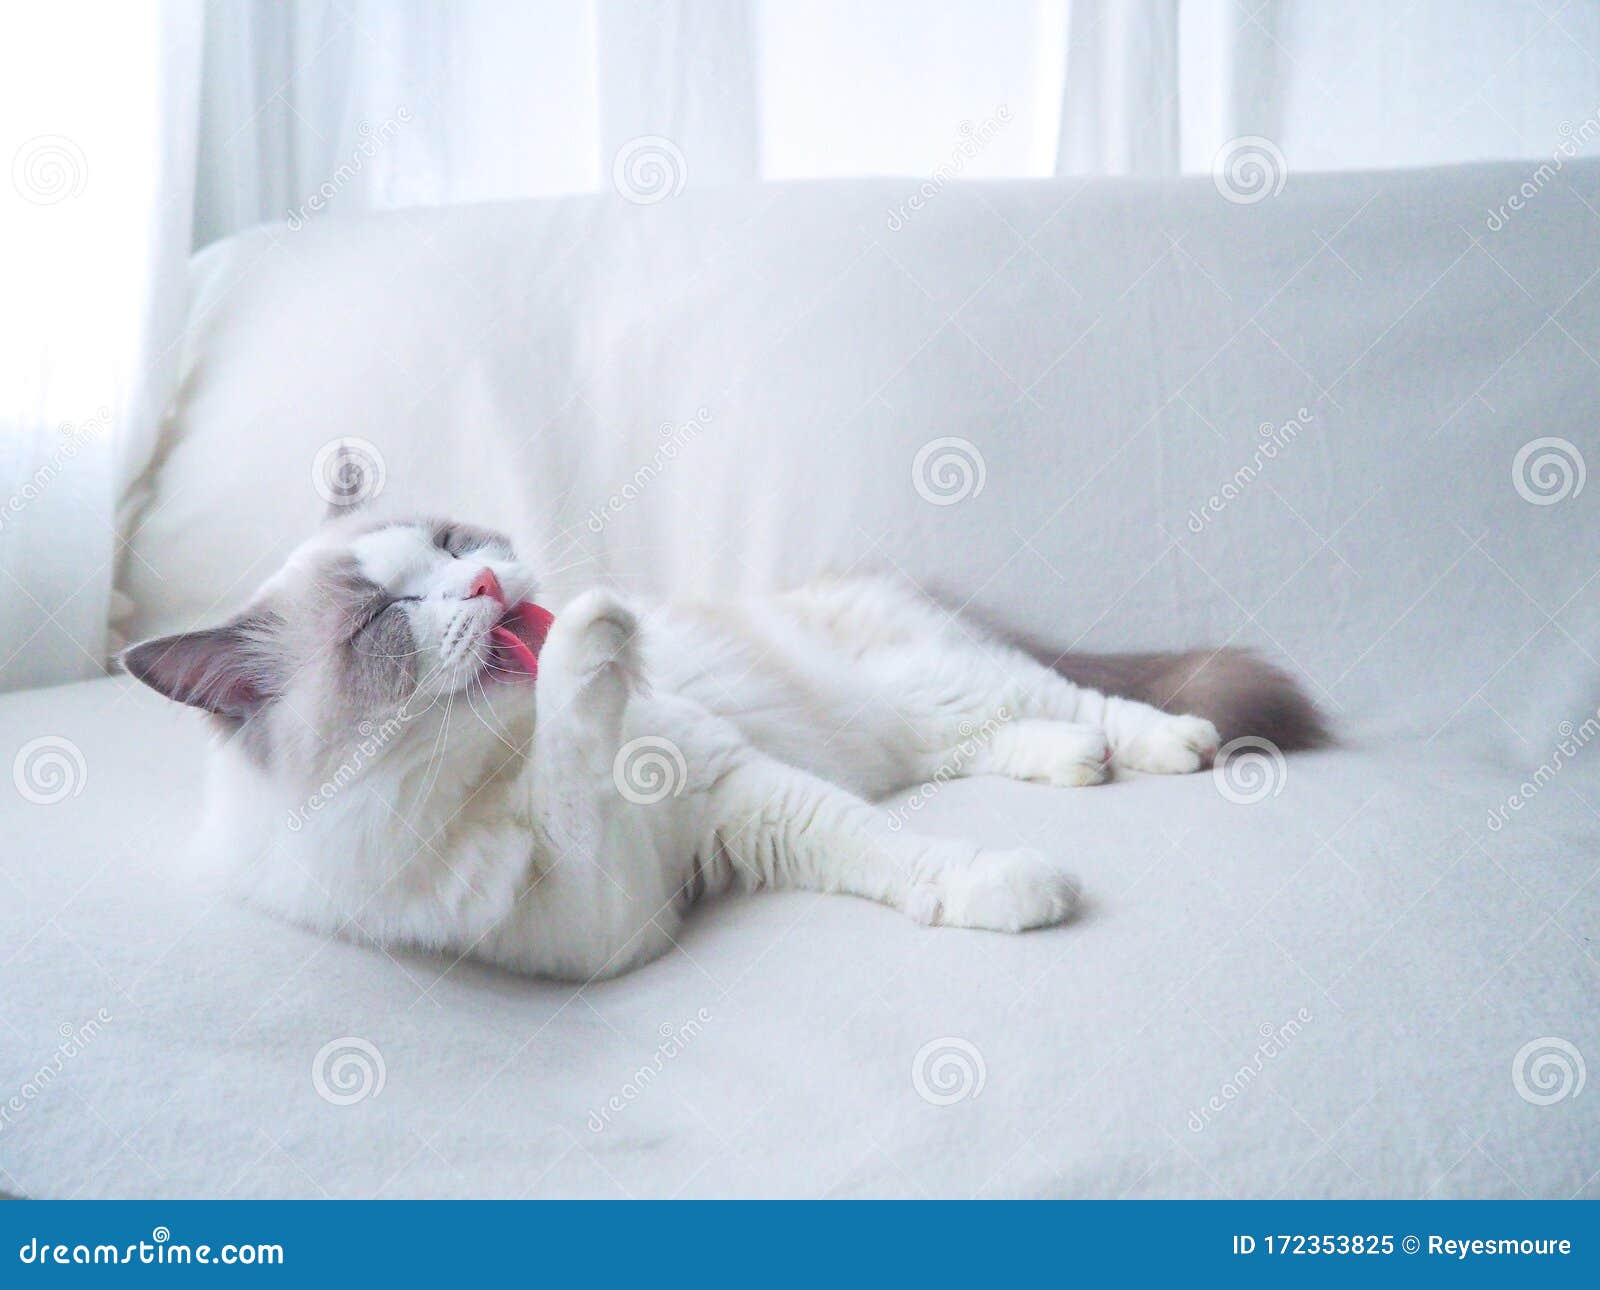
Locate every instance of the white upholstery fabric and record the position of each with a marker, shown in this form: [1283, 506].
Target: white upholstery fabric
[1109, 349]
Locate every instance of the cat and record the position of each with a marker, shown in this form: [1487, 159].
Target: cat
[414, 751]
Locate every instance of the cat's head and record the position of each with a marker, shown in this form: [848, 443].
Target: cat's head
[386, 626]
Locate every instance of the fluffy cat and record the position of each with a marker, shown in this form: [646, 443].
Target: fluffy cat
[412, 750]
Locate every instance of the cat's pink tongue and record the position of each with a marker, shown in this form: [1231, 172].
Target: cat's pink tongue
[518, 638]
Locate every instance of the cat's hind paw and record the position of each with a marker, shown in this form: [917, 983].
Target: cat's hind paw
[1170, 746]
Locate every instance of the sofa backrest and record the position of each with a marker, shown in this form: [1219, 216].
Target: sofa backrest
[1114, 414]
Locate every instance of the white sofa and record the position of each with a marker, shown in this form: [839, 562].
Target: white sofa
[1379, 979]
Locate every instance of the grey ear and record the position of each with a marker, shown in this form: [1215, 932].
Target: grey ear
[227, 670]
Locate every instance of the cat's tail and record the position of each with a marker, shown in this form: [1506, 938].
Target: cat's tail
[1236, 690]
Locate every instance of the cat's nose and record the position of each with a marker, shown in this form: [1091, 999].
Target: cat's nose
[484, 583]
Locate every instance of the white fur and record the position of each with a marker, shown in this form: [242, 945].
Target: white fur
[492, 819]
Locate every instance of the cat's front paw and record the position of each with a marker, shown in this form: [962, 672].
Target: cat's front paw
[1170, 746]
[592, 649]
[1007, 891]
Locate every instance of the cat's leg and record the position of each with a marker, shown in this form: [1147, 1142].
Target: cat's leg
[599, 901]
[771, 825]
[1042, 722]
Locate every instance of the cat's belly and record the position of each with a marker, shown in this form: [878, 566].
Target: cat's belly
[789, 692]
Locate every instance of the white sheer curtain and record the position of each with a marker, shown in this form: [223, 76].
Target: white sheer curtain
[97, 105]
[135, 130]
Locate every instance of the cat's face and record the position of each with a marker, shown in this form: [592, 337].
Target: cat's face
[369, 625]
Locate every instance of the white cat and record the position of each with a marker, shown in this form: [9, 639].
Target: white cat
[411, 750]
